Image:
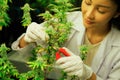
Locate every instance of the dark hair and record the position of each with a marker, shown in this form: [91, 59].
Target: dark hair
[116, 21]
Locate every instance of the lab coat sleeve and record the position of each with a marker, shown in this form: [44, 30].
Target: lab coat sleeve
[15, 44]
[114, 74]
[20, 54]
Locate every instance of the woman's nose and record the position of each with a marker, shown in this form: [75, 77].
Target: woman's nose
[90, 13]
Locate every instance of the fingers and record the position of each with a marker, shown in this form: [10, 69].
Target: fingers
[76, 73]
[31, 36]
[66, 62]
[68, 51]
[72, 65]
[40, 35]
[35, 33]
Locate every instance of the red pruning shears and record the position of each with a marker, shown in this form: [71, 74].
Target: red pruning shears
[60, 52]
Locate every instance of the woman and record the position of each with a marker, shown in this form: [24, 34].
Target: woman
[97, 26]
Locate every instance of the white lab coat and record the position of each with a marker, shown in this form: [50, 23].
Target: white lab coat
[106, 63]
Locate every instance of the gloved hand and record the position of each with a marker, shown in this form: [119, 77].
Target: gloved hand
[73, 65]
[36, 33]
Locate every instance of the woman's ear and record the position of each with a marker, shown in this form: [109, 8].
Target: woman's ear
[116, 15]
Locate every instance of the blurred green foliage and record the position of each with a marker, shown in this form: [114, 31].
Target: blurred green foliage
[43, 63]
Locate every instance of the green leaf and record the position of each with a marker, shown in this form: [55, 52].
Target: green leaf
[26, 15]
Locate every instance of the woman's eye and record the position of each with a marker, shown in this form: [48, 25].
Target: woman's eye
[88, 2]
[101, 11]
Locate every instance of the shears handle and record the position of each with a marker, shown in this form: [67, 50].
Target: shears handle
[61, 51]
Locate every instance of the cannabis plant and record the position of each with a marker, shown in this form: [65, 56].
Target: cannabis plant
[58, 28]
[4, 18]
[7, 70]
[26, 19]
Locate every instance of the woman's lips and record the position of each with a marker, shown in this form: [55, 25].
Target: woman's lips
[88, 21]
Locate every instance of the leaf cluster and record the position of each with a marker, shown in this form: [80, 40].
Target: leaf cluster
[26, 18]
[4, 17]
[58, 29]
[7, 70]
[84, 51]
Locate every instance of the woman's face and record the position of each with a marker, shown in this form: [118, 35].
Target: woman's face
[98, 13]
